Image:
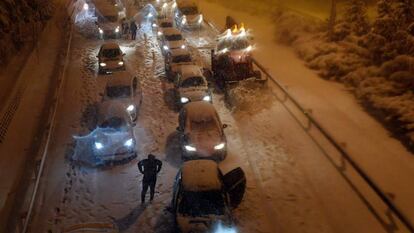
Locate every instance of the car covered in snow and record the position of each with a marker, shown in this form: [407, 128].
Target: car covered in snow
[108, 20]
[176, 58]
[110, 58]
[203, 198]
[161, 24]
[201, 132]
[114, 138]
[191, 85]
[124, 90]
[187, 14]
[171, 39]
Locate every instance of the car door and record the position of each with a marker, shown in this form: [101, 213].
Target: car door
[235, 185]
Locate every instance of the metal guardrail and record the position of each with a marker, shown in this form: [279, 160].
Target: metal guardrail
[313, 122]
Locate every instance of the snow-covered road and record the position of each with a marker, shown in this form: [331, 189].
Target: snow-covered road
[291, 186]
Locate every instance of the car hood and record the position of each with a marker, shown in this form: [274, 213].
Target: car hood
[175, 44]
[205, 141]
[194, 93]
[188, 224]
[113, 141]
[108, 26]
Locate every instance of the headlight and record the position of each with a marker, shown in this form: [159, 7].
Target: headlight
[165, 47]
[101, 31]
[207, 98]
[121, 63]
[248, 49]
[129, 142]
[98, 145]
[184, 20]
[159, 33]
[149, 15]
[130, 108]
[220, 146]
[154, 25]
[184, 100]
[190, 148]
[117, 29]
[86, 6]
[200, 20]
[183, 46]
[103, 64]
[225, 50]
[174, 5]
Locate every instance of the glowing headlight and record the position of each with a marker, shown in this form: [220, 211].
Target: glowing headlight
[184, 100]
[200, 20]
[117, 29]
[220, 146]
[121, 63]
[159, 33]
[149, 15]
[86, 6]
[224, 229]
[130, 108]
[225, 50]
[103, 64]
[174, 5]
[184, 20]
[183, 46]
[207, 98]
[129, 142]
[98, 145]
[165, 47]
[101, 31]
[248, 49]
[190, 148]
[154, 25]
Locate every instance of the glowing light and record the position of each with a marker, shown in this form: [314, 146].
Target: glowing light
[183, 46]
[159, 33]
[224, 229]
[98, 145]
[190, 148]
[207, 98]
[130, 108]
[184, 100]
[117, 29]
[248, 49]
[86, 6]
[150, 15]
[164, 5]
[121, 63]
[101, 31]
[174, 5]
[235, 29]
[184, 20]
[220, 146]
[103, 64]
[200, 20]
[165, 47]
[129, 143]
[154, 25]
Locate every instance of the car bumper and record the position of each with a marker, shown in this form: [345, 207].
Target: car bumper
[218, 155]
[110, 69]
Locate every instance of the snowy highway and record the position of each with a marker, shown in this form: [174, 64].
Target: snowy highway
[291, 186]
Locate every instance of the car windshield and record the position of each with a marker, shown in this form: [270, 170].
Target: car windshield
[192, 82]
[118, 92]
[208, 124]
[111, 18]
[202, 203]
[181, 58]
[174, 37]
[114, 123]
[190, 10]
[111, 53]
[166, 25]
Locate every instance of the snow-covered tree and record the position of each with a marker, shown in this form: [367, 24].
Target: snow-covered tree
[356, 17]
[404, 13]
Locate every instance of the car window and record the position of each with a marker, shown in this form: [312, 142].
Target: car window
[166, 25]
[174, 37]
[118, 91]
[114, 123]
[111, 18]
[202, 203]
[192, 82]
[181, 58]
[111, 53]
[190, 10]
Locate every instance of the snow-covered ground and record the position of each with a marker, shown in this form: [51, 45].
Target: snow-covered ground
[291, 187]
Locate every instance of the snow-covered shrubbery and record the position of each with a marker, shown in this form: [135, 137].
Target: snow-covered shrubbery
[375, 58]
[17, 20]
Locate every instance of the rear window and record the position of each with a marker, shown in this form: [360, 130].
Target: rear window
[202, 203]
[181, 58]
[190, 10]
[114, 123]
[111, 53]
[193, 82]
[118, 91]
[173, 37]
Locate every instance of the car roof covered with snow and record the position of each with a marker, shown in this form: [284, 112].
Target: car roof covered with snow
[200, 175]
[119, 79]
[200, 110]
[111, 109]
[171, 31]
[179, 52]
[110, 45]
[188, 71]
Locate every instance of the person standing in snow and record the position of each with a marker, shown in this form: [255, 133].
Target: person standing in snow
[133, 29]
[150, 167]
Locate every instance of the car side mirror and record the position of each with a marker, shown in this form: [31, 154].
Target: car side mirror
[235, 184]
[225, 126]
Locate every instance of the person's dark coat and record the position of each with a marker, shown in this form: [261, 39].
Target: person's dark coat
[150, 168]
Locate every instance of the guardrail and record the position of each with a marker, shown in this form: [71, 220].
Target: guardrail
[313, 122]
